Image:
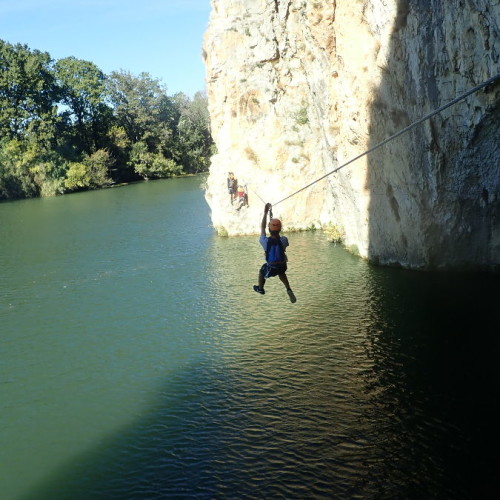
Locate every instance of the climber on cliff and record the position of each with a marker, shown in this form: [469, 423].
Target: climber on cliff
[231, 186]
[242, 196]
[276, 259]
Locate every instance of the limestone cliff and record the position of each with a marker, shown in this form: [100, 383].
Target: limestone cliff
[299, 87]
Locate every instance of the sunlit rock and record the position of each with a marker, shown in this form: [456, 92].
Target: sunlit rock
[298, 88]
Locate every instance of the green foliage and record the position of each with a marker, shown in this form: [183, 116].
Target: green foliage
[48, 173]
[141, 106]
[27, 89]
[92, 173]
[152, 165]
[221, 231]
[301, 117]
[16, 180]
[98, 164]
[77, 177]
[65, 126]
[119, 149]
[49, 184]
[26, 170]
[334, 233]
[354, 250]
[83, 95]
[195, 144]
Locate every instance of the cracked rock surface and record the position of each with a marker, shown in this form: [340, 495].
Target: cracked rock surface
[297, 88]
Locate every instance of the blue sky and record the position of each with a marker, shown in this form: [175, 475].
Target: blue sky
[160, 37]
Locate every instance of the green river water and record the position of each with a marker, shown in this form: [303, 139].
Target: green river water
[137, 362]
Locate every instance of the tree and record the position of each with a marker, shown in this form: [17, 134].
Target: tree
[143, 109]
[26, 170]
[64, 125]
[91, 173]
[27, 91]
[83, 92]
[193, 132]
[152, 165]
[16, 178]
[139, 104]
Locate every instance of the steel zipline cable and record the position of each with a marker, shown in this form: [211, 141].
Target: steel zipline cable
[397, 134]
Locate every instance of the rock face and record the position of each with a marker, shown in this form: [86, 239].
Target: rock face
[297, 88]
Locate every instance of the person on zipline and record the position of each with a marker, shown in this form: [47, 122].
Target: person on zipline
[276, 259]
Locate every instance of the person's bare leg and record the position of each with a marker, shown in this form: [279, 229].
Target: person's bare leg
[260, 287]
[284, 280]
[262, 280]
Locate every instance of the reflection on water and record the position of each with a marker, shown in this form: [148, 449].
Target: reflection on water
[137, 362]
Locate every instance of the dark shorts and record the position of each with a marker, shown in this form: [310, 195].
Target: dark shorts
[269, 270]
[230, 190]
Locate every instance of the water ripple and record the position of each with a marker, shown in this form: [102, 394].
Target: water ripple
[146, 367]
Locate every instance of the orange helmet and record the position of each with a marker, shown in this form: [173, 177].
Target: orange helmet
[274, 225]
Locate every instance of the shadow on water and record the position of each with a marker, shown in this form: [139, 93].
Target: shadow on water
[442, 334]
[380, 384]
[438, 332]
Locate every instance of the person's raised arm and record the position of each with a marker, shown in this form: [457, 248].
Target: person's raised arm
[264, 219]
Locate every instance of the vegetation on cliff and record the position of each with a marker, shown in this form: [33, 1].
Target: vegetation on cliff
[66, 126]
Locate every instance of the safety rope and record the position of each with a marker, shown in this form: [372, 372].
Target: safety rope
[256, 194]
[397, 134]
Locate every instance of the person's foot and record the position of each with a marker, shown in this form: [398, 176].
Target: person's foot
[291, 295]
[259, 290]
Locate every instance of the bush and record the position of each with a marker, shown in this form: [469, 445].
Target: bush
[152, 165]
[99, 164]
[335, 234]
[47, 178]
[90, 174]
[77, 177]
[16, 176]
